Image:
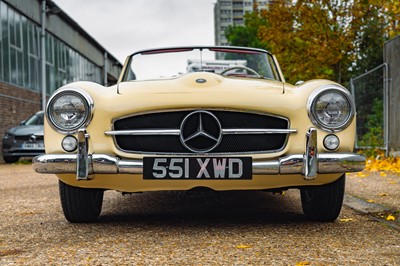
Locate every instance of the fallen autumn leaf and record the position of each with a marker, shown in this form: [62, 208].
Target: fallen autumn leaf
[243, 246]
[390, 218]
[346, 220]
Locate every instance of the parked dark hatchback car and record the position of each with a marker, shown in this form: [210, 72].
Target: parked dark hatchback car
[25, 140]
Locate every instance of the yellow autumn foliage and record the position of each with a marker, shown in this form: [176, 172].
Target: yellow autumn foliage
[322, 39]
[388, 164]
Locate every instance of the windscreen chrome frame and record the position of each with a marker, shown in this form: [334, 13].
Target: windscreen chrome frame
[126, 67]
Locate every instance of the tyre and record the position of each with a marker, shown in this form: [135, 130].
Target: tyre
[11, 159]
[80, 205]
[323, 203]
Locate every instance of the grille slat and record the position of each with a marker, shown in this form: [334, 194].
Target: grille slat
[27, 138]
[232, 143]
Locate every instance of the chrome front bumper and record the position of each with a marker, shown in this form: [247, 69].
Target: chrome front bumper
[308, 164]
[105, 164]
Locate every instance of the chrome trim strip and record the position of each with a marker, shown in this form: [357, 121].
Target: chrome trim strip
[310, 158]
[176, 132]
[143, 132]
[106, 164]
[130, 167]
[255, 131]
[292, 164]
[82, 158]
[341, 162]
[266, 167]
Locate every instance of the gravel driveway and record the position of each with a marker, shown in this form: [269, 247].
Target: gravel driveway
[181, 228]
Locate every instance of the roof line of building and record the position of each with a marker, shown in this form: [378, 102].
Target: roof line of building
[54, 9]
[62, 14]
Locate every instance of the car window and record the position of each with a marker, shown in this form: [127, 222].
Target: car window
[36, 119]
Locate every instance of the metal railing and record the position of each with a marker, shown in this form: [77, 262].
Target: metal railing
[371, 94]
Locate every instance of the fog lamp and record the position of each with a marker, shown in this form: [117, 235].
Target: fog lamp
[331, 142]
[69, 143]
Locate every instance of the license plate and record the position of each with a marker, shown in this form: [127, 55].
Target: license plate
[34, 145]
[195, 168]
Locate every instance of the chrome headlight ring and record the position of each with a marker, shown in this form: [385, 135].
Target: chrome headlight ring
[69, 109]
[331, 108]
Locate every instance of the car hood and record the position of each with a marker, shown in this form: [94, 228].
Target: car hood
[27, 130]
[201, 81]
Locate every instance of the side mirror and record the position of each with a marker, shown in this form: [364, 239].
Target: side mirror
[22, 122]
[299, 82]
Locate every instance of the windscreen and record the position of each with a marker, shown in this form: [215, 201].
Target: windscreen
[36, 119]
[172, 63]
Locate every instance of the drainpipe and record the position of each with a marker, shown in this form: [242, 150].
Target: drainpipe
[43, 54]
[105, 69]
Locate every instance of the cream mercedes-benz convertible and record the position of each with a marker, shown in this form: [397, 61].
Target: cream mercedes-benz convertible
[213, 117]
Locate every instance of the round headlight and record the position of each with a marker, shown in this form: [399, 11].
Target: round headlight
[331, 108]
[69, 109]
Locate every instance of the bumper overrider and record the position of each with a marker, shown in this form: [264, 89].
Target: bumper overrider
[309, 164]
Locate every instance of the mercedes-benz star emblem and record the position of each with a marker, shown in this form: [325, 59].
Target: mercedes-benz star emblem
[200, 131]
[32, 138]
[201, 80]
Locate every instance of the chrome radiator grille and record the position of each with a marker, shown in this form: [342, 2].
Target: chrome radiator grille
[201, 131]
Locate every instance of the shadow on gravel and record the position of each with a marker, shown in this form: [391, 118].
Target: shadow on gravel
[203, 208]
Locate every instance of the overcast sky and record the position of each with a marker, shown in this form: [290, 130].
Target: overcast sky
[125, 26]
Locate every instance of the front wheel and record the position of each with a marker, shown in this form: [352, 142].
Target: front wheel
[80, 205]
[323, 203]
[11, 159]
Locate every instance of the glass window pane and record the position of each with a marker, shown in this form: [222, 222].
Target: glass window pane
[1, 61]
[18, 30]
[1, 48]
[20, 69]
[11, 26]
[50, 83]
[49, 49]
[31, 44]
[35, 74]
[5, 40]
[33, 39]
[25, 50]
[13, 66]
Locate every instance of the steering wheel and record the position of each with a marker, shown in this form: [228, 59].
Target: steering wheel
[241, 67]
